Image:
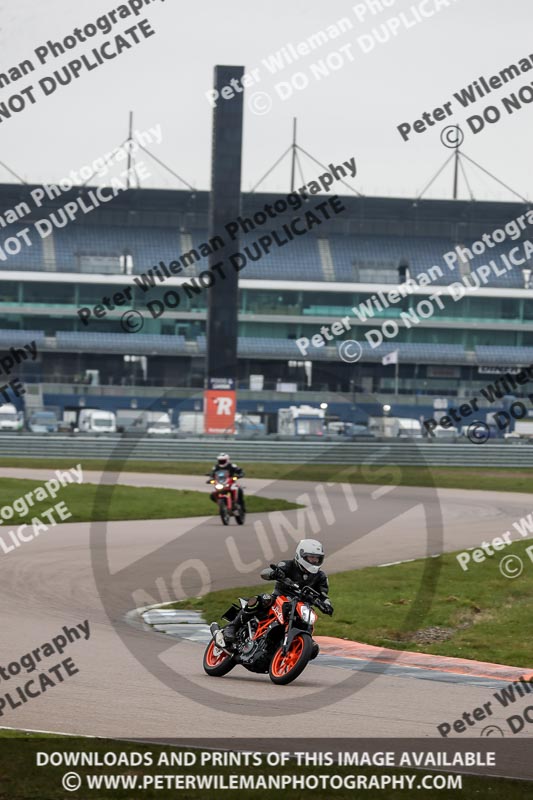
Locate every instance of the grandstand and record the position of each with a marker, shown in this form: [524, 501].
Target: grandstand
[288, 294]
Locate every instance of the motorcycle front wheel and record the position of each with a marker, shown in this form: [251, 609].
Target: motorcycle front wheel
[216, 662]
[286, 668]
[224, 513]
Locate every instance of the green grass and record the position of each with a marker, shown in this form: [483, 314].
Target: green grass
[90, 502]
[489, 478]
[12, 734]
[488, 616]
[22, 779]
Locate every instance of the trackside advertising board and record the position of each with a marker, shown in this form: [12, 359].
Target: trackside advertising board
[220, 402]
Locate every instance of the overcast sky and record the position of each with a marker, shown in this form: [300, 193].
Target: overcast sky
[353, 112]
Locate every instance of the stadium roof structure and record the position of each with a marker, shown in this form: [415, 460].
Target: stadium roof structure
[188, 210]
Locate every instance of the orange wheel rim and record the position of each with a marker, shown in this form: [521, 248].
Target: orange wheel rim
[282, 664]
[211, 658]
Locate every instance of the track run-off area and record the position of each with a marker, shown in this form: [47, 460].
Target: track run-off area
[100, 572]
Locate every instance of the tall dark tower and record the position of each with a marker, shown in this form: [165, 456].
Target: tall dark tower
[224, 206]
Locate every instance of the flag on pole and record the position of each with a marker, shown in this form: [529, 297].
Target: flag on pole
[390, 358]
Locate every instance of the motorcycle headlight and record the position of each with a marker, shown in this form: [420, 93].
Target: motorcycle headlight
[219, 486]
[308, 615]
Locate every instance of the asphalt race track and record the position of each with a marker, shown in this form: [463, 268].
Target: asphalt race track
[50, 582]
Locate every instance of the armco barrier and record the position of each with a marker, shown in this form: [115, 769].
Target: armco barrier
[406, 453]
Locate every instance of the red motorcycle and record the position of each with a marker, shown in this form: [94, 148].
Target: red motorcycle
[227, 497]
[280, 643]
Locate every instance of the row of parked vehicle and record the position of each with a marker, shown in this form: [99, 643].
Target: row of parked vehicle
[86, 420]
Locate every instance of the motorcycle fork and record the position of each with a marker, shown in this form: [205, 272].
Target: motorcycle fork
[289, 626]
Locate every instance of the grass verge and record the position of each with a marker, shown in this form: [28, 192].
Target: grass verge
[478, 614]
[93, 503]
[488, 478]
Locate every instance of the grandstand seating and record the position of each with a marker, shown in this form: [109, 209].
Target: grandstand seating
[147, 246]
[18, 338]
[121, 343]
[298, 261]
[420, 353]
[503, 356]
[257, 347]
[30, 257]
[364, 246]
[363, 259]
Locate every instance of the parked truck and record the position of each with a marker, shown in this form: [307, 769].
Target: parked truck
[301, 421]
[134, 421]
[395, 427]
[249, 425]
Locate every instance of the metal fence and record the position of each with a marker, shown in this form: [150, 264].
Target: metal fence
[408, 453]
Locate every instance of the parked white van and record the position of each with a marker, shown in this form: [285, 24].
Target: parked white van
[10, 418]
[444, 434]
[92, 420]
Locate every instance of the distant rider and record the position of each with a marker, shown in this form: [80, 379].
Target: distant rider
[303, 569]
[224, 462]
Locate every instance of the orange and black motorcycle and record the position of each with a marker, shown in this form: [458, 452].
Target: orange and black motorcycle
[278, 641]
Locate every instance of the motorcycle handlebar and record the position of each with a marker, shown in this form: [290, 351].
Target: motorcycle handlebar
[303, 590]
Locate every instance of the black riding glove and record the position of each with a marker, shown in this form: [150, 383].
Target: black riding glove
[277, 573]
[327, 607]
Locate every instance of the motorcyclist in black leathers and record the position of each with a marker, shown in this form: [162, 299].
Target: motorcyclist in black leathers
[224, 462]
[303, 569]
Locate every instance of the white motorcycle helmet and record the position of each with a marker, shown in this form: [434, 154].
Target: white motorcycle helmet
[223, 460]
[309, 555]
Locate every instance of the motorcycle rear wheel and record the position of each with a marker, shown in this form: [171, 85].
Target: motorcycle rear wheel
[286, 668]
[217, 664]
[240, 515]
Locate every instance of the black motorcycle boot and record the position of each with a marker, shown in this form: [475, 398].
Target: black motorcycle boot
[230, 630]
[229, 633]
[244, 615]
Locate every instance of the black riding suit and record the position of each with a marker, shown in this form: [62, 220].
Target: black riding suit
[317, 581]
[262, 602]
[235, 471]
